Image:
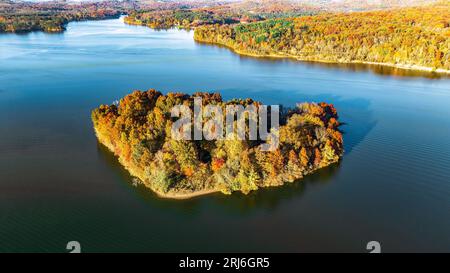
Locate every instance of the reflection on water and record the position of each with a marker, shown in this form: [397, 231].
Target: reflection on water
[264, 198]
[271, 198]
[382, 70]
[57, 184]
[361, 123]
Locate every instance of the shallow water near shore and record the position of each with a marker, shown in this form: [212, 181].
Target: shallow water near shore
[57, 184]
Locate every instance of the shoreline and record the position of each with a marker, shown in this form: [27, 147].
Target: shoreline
[63, 26]
[300, 59]
[181, 195]
[169, 195]
[184, 196]
[244, 53]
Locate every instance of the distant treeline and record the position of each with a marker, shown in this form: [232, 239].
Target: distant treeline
[52, 16]
[50, 22]
[178, 18]
[409, 37]
[191, 18]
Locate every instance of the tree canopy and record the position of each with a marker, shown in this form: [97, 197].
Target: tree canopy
[417, 36]
[138, 131]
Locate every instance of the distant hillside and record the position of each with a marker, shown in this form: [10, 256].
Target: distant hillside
[330, 5]
[416, 37]
[361, 5]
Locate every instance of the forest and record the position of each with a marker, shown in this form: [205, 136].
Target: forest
[187, 18]
[138, 130]
[182, 18]
[53, 16]
[410, 37]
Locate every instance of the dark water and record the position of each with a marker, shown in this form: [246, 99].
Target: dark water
[57, 184]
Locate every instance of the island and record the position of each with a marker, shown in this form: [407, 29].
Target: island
[137, 129]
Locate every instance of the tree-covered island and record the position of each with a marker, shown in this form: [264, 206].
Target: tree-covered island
[138, 130]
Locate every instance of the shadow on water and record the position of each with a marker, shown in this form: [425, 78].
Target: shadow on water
[356, 118]
[357, 123]
[355, 114]
[265, 198]
[269, 199]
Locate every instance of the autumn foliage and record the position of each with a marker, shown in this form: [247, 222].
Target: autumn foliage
[138, 130]
[52, 16]
[408, 37]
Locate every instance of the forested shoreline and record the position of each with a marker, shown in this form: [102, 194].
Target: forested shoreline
[411, 37]
[226, 14]
[49, 23]
[138, 131]
[416, 38]
[50, 17]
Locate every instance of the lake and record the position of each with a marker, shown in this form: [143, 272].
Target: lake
[57, 184]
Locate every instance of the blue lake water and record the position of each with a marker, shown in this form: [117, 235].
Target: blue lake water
[57, 184]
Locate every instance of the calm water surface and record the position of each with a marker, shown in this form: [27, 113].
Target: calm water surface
[57, 184]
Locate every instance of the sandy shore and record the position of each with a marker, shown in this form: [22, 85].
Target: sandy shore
[182, 196]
